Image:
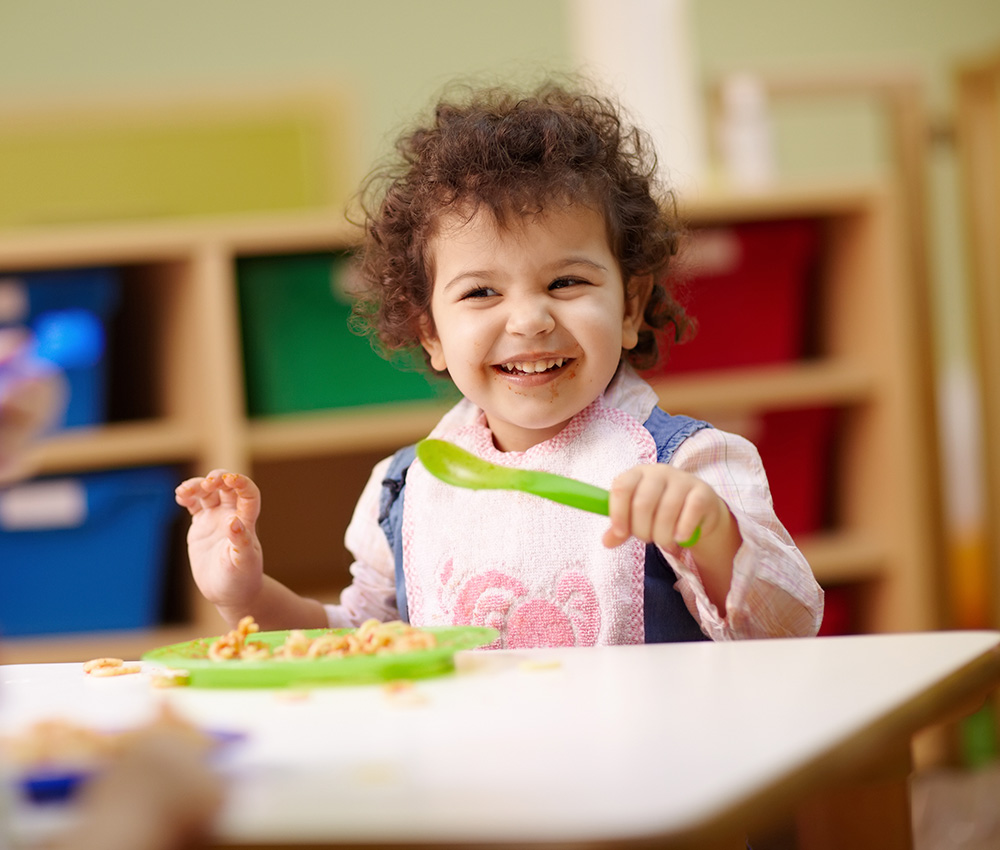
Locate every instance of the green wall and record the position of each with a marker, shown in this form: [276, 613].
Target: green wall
[392, 55]
[387, 56]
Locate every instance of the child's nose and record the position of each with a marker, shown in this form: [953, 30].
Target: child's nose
[529, 317]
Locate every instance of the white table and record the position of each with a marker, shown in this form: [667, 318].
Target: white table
[677, 745]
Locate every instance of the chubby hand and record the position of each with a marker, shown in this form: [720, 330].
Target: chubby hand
[661, 504]
[664, 505]
[225, 554]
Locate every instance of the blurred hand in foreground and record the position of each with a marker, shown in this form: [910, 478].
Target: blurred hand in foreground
[30, 401]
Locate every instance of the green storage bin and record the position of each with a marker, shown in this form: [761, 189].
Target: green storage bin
[298, 350]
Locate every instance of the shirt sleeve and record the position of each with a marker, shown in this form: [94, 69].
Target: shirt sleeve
[372, 592]
[773, 591]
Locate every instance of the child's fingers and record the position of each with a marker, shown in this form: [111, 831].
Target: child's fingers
[666, 528]
[698, 516]
[653, 506]
[240, 541]
[620, 508]
[656, 504]
[247, 495]
[188, 493]
[635, 497]
[238, 534]
[201, 493]
[692, 540]
[188, 486]
[215, 480]
[690, 523]
[221, 487]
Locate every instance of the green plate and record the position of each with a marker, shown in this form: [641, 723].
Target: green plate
[192, 656]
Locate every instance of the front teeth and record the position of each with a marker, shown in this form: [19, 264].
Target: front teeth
[530, 367]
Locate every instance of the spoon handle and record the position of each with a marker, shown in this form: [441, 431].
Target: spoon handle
[577, 494]
[565, 491]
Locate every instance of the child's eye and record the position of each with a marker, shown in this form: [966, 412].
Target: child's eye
[479, 292]
[565, 282]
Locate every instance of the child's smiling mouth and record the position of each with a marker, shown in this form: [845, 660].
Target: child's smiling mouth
[533, 367]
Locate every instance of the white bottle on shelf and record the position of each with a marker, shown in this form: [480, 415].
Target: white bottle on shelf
[746, 138]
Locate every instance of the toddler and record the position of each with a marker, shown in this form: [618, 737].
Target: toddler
[523, 243]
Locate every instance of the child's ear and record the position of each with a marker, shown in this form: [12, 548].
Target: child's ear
[637, 292]
[431, 344]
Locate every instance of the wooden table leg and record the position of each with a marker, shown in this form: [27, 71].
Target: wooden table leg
[871, 813]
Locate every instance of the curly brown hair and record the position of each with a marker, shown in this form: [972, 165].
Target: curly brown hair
[513, 154]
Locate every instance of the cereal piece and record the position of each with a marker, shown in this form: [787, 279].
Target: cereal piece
[103, 667]
[404, 692]
[331, 644]
[234, 644]
[296, 645]
[124, 670]
[167, 677]
[97, 663]
[255, 650]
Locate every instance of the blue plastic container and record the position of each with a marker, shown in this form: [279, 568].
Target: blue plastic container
[85, 553]
[45, 299]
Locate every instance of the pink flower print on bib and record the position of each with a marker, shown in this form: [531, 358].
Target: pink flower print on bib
[534, 570]
[496, 599]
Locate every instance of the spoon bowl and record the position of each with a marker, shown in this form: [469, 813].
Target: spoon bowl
[459, 468]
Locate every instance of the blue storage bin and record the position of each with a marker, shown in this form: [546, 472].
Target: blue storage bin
[85, 553]
[37, 299]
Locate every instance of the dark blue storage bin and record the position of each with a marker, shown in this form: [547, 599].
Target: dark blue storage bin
[85, 553]
[42, 295]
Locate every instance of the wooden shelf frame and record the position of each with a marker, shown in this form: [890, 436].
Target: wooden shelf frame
[977, 134]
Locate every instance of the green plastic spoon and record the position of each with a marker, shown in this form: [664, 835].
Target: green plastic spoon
[459, 468]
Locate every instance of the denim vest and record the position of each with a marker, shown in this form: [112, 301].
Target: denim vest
[666, 617]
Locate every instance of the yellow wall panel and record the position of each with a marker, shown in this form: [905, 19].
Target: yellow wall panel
[148, 161]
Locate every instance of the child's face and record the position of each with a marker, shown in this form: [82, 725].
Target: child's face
[529, 320]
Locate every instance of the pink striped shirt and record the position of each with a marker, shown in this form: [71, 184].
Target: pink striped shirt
[773, 591]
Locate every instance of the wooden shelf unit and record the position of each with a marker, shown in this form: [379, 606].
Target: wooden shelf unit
[181, 311]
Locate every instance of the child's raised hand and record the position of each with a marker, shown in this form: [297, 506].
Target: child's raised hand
[225, 554]
[664, 505]
[661, 504]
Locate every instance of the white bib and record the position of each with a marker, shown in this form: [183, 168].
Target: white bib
[532, 569]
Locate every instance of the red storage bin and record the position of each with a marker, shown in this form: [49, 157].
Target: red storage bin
[795, 447]
[840, 611]
[747, 287]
